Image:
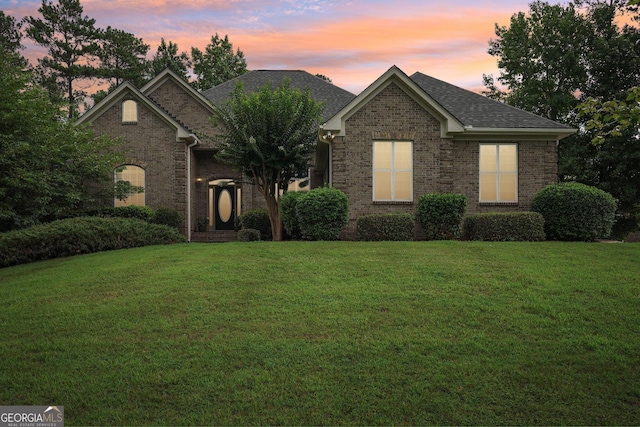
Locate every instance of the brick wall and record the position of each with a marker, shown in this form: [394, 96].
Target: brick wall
[186, 109]
[439, 164]
[150, 144]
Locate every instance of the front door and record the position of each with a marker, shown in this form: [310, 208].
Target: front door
[225, 202]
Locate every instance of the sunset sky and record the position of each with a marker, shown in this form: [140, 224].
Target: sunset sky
[352, 41]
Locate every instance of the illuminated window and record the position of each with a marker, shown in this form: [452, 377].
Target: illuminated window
[498, 173]
[134, 175]
[129, 111]
[393, 171]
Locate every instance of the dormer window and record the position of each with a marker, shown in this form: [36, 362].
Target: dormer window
[129, 111]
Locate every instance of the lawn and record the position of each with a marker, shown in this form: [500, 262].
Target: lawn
[333, 333]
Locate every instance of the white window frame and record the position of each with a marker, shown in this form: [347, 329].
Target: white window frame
[498, 172]
[128, 112]
[392, 171]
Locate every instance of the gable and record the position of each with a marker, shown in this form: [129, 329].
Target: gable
[462, 114]
[394, 76]
[113, 101]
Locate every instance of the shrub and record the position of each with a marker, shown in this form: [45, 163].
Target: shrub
[504, 226]
[288, 204]
[257, 219]
[249, 235]
[81, 235]
[378, 227]
[322, 213]
[167, 216]
[574, 211]
[440, 214]
[144, 213]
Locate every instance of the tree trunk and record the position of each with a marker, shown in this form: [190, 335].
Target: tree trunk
[274, 218]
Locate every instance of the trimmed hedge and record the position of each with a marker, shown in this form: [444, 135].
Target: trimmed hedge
[249, 235]
[257, 219]
[288, 215]
[144, 213]
[379, 227]
[574, 211]
[81, 235]
[504, 227]
[322, 213]
[167, 216]
[440, 214]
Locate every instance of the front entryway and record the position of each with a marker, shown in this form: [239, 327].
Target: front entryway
[224, 204]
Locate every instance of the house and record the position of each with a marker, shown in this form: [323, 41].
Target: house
[400, 138]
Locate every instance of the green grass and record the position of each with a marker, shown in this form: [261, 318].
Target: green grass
[328, 333]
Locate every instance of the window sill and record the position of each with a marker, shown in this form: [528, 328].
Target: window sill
[391, 202]
[499, 203]
[129, 123]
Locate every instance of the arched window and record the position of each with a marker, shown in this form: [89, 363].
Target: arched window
[129, 111]
[134, 175]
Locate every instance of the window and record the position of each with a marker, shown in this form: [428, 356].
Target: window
[498, 173]
[135, 176]
[393, 171]
[129, 111]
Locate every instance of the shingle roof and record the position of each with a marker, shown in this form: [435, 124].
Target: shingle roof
[321, 90]
[472, 109]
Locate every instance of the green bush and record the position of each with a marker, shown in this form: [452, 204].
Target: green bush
[167, 216]
[322, 213]
[574, 211]
[81, 235]
[379, 227]
[249, 235]
[288, 204]
[440, 214]
[504, 227]
[257, 219]
[144, 213]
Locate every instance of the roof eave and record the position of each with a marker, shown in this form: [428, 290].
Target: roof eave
[513, 133]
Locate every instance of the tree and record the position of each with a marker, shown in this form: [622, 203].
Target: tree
[71, 40]
[49, 168]
[167, 56]
[556, 57]
[11, 39]
[217, 64]
[539, 56]
[122, 57]
[270, 134]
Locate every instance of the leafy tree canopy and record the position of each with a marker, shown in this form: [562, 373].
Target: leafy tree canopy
[49, 168]
[270, 134]
[167, 56]
[217, 64]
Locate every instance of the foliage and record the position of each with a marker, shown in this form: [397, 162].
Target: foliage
[50, 167]
[574, 211]
[539, 56]
[440, 214]
[288, 213]
[123, 189]
[167, 56]
[613, 117]
[167, 216]
[504, 227]
[322, 213]
[217, 64]
[143, 213]
[270, 134]
[71, 41]
[11, 39]
[249, 235]
[257, 219]
[122, 57]
[81, 235]
[380, 227]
